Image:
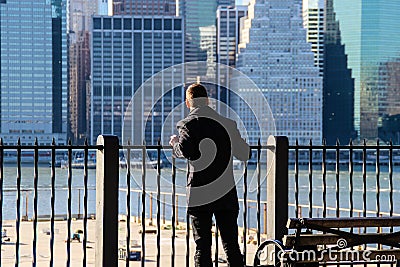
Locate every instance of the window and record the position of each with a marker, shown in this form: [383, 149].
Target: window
[117, 24]
[107, 23]
[167, 24]
[137, 24]
[127, 24]
[157, 24]
[178, 24]
[147, 24]
[97, 23]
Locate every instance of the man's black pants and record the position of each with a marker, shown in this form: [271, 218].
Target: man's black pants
[227, 223]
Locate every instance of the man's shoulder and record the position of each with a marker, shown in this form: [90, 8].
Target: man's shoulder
[209, 114]
[185, 121]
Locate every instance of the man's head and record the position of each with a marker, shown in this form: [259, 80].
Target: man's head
[196, 96]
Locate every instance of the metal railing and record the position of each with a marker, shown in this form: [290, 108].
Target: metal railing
[361, 174]
[287, 180]
[109, 244]
[34, 160]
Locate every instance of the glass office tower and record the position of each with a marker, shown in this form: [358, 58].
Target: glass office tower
[128, 50]
[33, 71]
[370, 32]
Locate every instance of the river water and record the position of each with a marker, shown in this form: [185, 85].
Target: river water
[44, 185]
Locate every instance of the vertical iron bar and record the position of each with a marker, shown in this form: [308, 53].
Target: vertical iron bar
[351, 174]
[365, 184]
[187, 239]
[85, 201]
[173, 213]
[378, 188]
[324, 178]
[187, 225]
[128, 204]
[310, 181]
[391, 180]
[1, 193]
[351, 185]
[244, 212]
[79, 199]
[258, 192]
[52, 200]
[35, 201]
[364, 174]
[143, 205]
[163, 208]
[337, 176]
[378, 184]
[216, 246]
[296, 178]
[158, 202]
[138, 207]
[18, 221]
[69, 203]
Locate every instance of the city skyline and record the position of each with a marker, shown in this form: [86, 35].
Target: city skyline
[362, 103]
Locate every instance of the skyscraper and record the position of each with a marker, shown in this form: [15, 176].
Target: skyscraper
[274, 53]
[228, 33]
[228, 37]
[198, 14]
[126, 52]
[338, 95]
[313, 21]
[145, 7]
[369, 31]
[80, 23]
[323, 33]
[33, 71]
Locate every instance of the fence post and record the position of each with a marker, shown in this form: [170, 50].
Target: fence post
[277, 186]
[107, 182]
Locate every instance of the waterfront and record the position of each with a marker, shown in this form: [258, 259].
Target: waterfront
[60, 250]
[61, 189]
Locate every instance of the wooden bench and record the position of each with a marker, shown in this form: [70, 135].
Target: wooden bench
[332, 241]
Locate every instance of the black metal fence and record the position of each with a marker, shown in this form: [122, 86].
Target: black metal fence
[298, 180]
[345, 180]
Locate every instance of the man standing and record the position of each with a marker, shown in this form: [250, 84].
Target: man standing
[209, 141]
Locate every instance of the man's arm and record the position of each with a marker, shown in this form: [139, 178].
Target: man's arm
[183, 145]
[240, 149]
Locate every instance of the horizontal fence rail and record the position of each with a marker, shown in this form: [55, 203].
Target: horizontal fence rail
[46, 190]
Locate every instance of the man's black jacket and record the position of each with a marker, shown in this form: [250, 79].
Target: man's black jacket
[209, 141]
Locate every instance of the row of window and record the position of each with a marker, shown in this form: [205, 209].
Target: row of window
[108, 23]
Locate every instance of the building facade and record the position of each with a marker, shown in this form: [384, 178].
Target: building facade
[228, 33]
[104, 7]
[126, 52]
[313, 22]
[33, 71]
[375, 46]
[146, 7]
[274, 53]
[80, 23]
[198, 14]
[338, 95]
[229, 19]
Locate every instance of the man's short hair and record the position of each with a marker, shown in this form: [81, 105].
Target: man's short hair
[197, 95]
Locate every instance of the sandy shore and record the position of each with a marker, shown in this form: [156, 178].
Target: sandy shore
[60, 246]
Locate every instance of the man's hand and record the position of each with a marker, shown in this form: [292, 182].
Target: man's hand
[173, 139]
